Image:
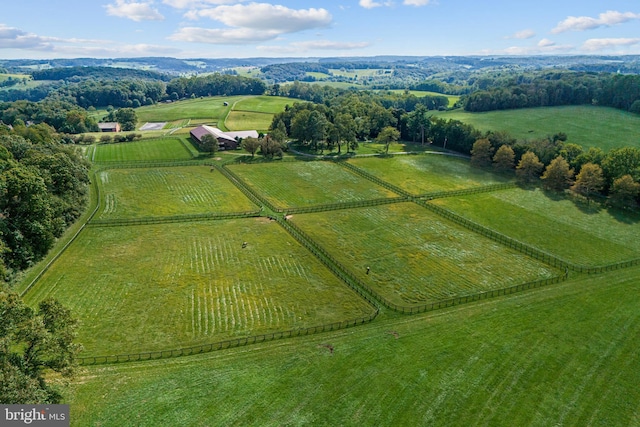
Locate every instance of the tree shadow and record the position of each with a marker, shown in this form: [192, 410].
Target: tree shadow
[624, 216]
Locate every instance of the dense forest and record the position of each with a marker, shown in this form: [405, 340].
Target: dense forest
[43, 189]
[556, 88]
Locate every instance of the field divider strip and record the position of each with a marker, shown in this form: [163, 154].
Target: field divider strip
[344, 205]
[332, 264]
[467, 191]
[254, 196]
[373, 178]
[222, 345]
[172, 219]
[523, 247]
[355, 283]
[497, 237]
[147, 164]
[96, 189]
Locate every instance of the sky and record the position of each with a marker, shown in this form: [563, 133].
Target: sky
[48, 29]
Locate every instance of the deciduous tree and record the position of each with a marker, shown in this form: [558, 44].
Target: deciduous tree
[589, 180]
[387, 136]
[557, 176]
[529, 168]
[31, 343]
[504, 160]
[624, 192]
[481, 153]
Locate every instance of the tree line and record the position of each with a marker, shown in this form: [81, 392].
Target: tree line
[592, 173]
[557, 88]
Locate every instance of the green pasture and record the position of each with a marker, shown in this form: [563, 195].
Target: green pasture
[145, 193]
[263, 104]
[248, 120]
[561, 355]
[364, 72]
[588, 126]
[294, 184]
[158, 287]
[414, 256]
[210, 108]
[575, 231]
[431, 172]
[146, 150]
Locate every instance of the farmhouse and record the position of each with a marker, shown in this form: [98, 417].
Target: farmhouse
[109, 127]
[226, 140]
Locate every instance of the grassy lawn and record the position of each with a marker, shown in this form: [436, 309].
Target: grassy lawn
[248, 120]
[427, 173]
[560, 355]
[135, 193]
[414, 256]
[587, 126]
[144, 288]
[290, 184]
[581, 234]
[210, 108]
[422, 93]
[145, 150]
[264, 104]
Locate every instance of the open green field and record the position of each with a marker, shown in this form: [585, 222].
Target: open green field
[244, 120]
[146, 150]
[211, 108]
[294, 184]
[579, 233]
[263, 104]
[153, 287]
[588, 126]
[428, 173]
[561, 355]
[136, 193]
[421, 258]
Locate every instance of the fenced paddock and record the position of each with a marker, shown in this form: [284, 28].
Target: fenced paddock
[296, 184]
[158, 287]
[582, 234]
[427, 173]
[415, 257]
[161, 192]
[160, 149]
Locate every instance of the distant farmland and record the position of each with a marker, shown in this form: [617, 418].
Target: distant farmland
[588, 126]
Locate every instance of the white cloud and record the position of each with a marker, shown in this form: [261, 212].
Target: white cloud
[370, 4]
[522, 35]
[134, 11]
[592, 45]
[222, 36]
[546, 43]
[251, 23]
[330, 45]
[304, 47]
[197, 4]
[606, 19]
[14, 38]
[416, 2]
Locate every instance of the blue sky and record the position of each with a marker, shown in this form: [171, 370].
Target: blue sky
[46, 29]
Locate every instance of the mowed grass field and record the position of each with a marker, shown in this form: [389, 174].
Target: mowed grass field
[255, 112]
[211, 108]
[416, 257]
[561, 355]
[432, 172]
[581, 234]
[588, 126]
[159, 149]
[152, 192]
[167, 286]
[295, 184]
